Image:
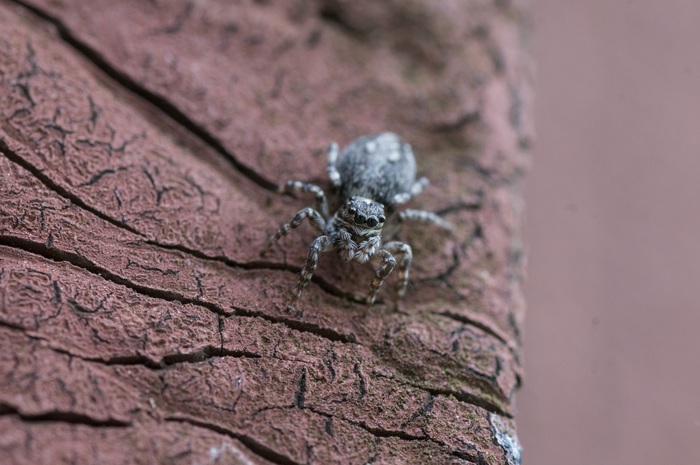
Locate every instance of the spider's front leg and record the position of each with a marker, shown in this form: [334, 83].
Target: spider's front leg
[320, 244]
[314, 217]
[298, 186]
[404, 250]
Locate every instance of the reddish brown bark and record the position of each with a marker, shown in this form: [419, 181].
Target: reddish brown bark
[141, 143]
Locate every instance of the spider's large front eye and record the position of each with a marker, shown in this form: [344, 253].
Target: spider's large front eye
[372, 221]
[360, 219]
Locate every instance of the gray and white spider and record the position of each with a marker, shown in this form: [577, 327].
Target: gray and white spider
[372, 175]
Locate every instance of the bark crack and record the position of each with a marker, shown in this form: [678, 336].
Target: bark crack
[62, 417]
[256, 447]
[211, 351]
[386, 433]
[374, 431]
[167, 360]
[52, 186]
[300, 395]
[261, 265]
[467, 398]
[83, 263]
[168, 109]
[476, 324]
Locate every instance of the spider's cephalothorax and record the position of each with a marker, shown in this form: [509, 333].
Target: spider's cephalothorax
[372, 174]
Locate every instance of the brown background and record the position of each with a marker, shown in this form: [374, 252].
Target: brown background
[613, 324]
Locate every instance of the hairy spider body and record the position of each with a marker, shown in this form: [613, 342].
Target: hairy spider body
[378, 167]
[372, 174]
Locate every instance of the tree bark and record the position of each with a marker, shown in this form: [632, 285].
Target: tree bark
[141, 145]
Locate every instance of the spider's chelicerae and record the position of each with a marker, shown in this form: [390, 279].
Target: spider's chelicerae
[372, 176]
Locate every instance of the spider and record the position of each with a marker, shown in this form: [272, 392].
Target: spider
[372, 176]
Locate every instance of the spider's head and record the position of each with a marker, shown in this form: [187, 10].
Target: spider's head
[364, 216]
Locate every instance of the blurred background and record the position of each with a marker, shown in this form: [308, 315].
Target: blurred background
[612, 342]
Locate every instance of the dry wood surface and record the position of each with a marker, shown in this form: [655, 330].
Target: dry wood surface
[141, 143]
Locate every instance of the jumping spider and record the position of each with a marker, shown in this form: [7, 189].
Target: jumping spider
[372, 175]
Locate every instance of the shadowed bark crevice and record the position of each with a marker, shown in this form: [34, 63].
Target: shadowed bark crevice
[61, 417]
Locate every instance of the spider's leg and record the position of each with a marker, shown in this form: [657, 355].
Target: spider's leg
[419, 185]
[314, 217]
[386, 263]
[403, 249]
[416, 189]
[425, 217]
[298, 186]
[320, 244]
[333, 173]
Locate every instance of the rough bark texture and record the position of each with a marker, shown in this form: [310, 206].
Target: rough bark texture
[140, 145]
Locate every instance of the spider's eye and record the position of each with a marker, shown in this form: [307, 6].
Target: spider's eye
[360, 219]
[372, 221]
[352, 211]
[382, 218]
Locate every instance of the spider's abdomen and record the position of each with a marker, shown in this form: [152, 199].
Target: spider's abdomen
[376, 167]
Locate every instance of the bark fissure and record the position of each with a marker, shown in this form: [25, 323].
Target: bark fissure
[488, 329]
[374, 431]
[211, 351]
[61, 417]
[381, 433]
[323, 284]
[167, 109]
[461, 396]
[57, 255]
[256, 447]
[54, 187]
[300, 395]
[276, 457]
[166, 361]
